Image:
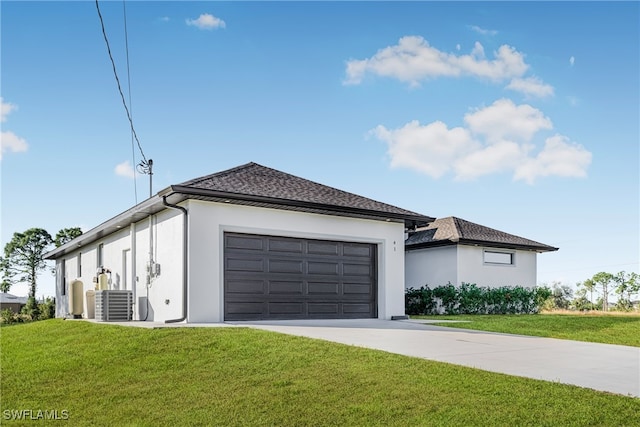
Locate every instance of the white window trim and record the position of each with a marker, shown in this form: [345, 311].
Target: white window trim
[499, 251]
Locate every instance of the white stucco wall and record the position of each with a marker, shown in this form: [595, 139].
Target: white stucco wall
[472, 269]
[167, 251]
[208, 221]
[431, 266]
[465, 264]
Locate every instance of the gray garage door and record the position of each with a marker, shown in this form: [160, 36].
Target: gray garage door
[269, 277]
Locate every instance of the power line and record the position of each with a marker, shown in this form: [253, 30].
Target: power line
[144, 165]
[126, 46]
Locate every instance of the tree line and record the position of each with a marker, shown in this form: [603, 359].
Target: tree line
[602, 285]
[23, 260]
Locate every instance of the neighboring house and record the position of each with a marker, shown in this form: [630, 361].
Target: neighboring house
[247, 243]
[12, 302]
[452, 250]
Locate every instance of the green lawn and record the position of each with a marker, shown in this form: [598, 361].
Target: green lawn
[623, 330]
[110, 375]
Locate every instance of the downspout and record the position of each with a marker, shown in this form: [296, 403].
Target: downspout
[185, 241]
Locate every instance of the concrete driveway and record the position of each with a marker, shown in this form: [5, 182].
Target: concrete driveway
[605, 367]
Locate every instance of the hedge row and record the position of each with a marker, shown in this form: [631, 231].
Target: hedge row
[472, 299]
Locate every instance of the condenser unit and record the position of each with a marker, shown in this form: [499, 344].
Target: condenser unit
[114, 306]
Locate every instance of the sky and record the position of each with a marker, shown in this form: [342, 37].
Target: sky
[522, 117]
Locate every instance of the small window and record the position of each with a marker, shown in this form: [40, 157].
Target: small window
[79, 262]
[100, 250]
[62, 276]
[502, 258]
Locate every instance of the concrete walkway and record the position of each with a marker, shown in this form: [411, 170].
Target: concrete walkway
[605, 367]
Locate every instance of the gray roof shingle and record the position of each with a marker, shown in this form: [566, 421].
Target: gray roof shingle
[257, 181]
[452, 230]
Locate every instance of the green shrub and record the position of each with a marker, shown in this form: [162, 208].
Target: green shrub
[472, 299]
[47, 309]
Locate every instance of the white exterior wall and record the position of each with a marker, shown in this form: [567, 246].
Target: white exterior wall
[431, 267]
[208, 221]
[472, 269]
[465, 264]
[167, 240]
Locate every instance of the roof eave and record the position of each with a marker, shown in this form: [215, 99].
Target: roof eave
[143, 209]
[469, 242]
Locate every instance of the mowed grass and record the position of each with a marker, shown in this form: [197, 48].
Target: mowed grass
[623, 330]
[110, 375]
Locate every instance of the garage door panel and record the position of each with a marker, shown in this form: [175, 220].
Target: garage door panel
[285, 266]
[244, 308]
[323, 309]
[246, 286]
[290, 288]
[244, 242]
[286, 308]
[245, 264]
[323, 288]
[326, 268]
[356, 269]
[280, 245]
[356, 288]
[357, 250]
[292, 278]
[356, 308]
[323, 248]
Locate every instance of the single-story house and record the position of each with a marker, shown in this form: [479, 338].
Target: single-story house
[453, 250]
[12, 302]
[253, 243]
[246, 243]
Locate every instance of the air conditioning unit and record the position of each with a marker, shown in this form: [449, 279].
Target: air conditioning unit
[114, 306]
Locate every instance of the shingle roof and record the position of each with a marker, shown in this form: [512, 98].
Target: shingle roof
[452, 230]
[253, 185]
[266, 184]
[11, 299]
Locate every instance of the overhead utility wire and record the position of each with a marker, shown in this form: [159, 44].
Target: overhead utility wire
[144, 165]
[126, 46]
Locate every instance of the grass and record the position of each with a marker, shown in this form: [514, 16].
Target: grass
[110, 375]
[623, 330]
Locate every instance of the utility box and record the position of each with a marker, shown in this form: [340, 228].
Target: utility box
[91, 304]
[114, 306]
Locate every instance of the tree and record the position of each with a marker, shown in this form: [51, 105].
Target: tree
[23, 258]
[65, 235]
[603, 280]
[561, 295]
[589, 285]
[627, 285]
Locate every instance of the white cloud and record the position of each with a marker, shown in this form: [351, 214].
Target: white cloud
[413, 59]
[560, 157]
[430, 149]
[9, 141]
[505, 120]
[124, 169]
[458, 47]
[572, 60]
[532, 86]
[483, 31]
[496, 139]
[499, 157]
[164, 19]
[206, 21]
[5, 109]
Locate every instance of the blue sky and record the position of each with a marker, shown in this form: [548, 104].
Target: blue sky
[520, 117]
